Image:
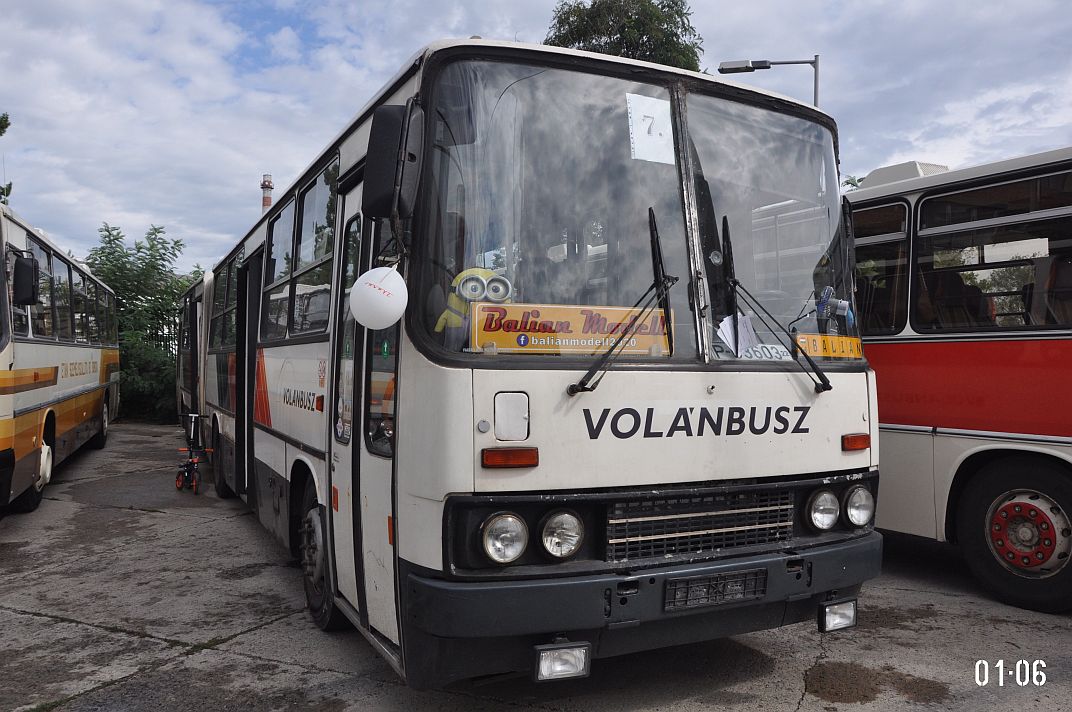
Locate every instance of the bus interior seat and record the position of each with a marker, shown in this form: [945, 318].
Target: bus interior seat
[947, 290]
[1027, 293]
[978, 306]
[1060, 292]
[880, 318]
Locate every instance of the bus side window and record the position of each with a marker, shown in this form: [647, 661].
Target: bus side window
[110, 333]
[277, 270]
[315, 247]
[41, 314]
[880, 288]
[881, 268]
[62, 274]
[92, 324]
[381, 363]
[20, 323]
[78, 301]
[344, 368]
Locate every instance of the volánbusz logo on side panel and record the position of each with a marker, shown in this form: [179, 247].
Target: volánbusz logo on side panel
[697, 421]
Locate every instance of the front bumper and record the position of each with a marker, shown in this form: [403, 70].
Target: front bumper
[456, 629]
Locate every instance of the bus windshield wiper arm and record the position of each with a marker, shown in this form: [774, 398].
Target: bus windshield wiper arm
[823, 383]
[656, 294]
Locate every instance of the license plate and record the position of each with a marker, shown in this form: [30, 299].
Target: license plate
[713, 590]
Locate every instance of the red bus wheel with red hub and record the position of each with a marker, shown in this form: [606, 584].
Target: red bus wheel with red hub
[1014, 524]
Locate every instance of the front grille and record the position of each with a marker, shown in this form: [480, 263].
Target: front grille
[701, 591]
[697, 526]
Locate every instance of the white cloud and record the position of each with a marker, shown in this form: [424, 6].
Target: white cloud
[285, 44]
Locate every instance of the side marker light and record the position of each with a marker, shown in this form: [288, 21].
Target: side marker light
[510, 457]
[855, 441]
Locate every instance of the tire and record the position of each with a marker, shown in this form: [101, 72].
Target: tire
[101, 438]
[219, 483]
[29, 500]
[1014, 524]
[178, 480]
[312, 550]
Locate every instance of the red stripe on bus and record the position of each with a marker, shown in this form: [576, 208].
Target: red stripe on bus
[262, 411]
[1007, 386]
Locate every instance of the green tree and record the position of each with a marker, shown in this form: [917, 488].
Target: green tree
[5, 190]
[852, 183]
[652, 30]
[147, 292]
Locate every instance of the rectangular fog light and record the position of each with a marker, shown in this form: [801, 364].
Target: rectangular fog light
[836, 616]
[558, 662]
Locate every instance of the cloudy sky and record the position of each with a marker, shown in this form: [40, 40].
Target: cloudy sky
[167, 112]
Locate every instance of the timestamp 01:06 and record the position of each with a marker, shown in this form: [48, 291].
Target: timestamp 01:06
[1023, 672]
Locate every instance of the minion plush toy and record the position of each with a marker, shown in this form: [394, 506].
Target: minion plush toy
[473, 285]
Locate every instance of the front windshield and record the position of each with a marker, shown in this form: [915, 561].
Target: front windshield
[535, 223]
[772, 177]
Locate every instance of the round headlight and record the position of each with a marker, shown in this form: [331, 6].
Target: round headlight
[505, 537]
[859, 505]
[562, 534]
[823, 510]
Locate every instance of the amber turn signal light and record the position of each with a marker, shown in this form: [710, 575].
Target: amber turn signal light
[510, 457]
[856, 441]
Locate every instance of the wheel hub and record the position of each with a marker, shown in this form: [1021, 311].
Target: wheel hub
[1023, 534]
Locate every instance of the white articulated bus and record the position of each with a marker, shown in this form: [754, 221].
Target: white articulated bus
[60, 361]
[965, 291]
[458, 484]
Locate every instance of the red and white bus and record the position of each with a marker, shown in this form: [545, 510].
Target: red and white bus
[454, 483]
[965, 292]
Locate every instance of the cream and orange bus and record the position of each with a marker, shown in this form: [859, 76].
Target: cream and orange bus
[59, 381]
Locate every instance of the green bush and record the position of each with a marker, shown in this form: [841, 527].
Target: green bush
[147, 379]
[147, 292]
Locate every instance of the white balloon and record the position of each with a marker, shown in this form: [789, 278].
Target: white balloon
[378, 298]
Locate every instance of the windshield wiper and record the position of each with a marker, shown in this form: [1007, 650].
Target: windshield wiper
[730, 277]
[656, 295]
[823, 383]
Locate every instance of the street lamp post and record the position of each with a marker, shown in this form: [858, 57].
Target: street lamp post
[751, 65]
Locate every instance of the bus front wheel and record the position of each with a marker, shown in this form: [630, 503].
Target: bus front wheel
[219, 481]
[1014, 524]
[319, 593]
[101, 438]
[29, 500]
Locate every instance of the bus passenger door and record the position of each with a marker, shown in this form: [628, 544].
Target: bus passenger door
[377, 477]
[362, 492]
[248, 304]
[347, 385]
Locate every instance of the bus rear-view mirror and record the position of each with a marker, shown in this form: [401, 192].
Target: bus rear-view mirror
[26, 281]
[393, 161]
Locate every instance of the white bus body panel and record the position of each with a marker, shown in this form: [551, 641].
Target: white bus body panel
[438, 462]
[907, 491]
[576, 435]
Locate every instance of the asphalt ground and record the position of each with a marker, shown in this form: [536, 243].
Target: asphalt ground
[120, 593]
